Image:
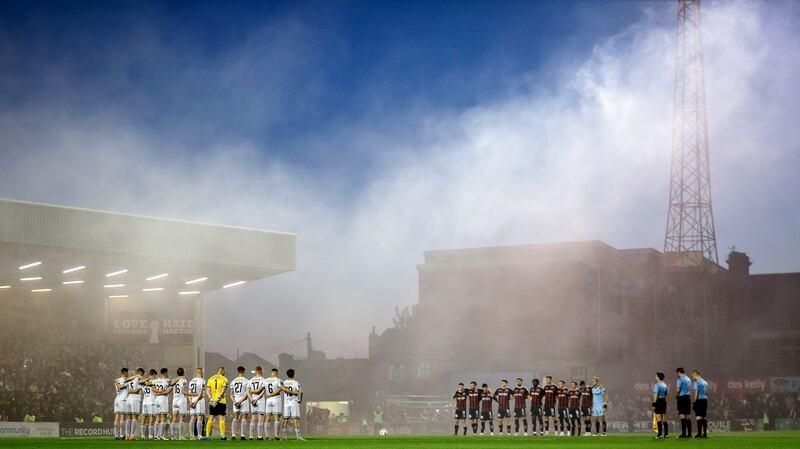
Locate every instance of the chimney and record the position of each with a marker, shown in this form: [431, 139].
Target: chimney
[739, 263]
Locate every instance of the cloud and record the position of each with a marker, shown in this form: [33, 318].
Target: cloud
[582, 156]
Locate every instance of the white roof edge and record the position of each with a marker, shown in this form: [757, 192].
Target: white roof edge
[148, 217]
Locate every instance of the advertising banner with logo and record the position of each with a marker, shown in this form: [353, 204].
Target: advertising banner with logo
[162, 322]
[28, 429]
[786, 384]
[718, 386]
[69, 429]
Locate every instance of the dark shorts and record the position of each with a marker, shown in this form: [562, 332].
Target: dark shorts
[574, 413]
[486, 416]
[700, 407]
[549, 410]
[562, 413]
[536, 411]
[217, 410]
[586, 412]
[684, 405]
[661, 406]
[461, 414]
[503, 413]
[473, 414]
[519, 413]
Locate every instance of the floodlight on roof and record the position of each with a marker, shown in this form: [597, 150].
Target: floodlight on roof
[41, 290]
[4, 287]
[114, 273]
[74, 269]
[189, 293]
[117, 296]
[72, 282]
[32, 278]
[154, 289]
[30, 265]
[194, 281]
[233, 284]
[113, 285]
[158, 276]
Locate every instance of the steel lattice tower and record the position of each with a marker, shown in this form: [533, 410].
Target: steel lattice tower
[690, 220]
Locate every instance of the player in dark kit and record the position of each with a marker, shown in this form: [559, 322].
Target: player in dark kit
[563, 412]
[461, 408]
[473, 404]
[586, 406]
[486, 409]
[573, 404]
[503, 397]
[536, 392]
[520, 396]
[550, 392]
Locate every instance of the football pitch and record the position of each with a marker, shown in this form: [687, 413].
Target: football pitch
[749, 440]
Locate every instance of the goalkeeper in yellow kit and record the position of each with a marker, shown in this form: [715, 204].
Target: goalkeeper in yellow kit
[215, 390]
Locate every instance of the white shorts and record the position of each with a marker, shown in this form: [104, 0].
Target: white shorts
[119, 406]
[291, 411]
[133, 404]
[161, 405]
[259, 408]
[180, 406]
[274, 406]
[243, 408]
[147, 408]
[199, 409]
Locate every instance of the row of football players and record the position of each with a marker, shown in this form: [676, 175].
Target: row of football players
[564, 407]
[269, 403]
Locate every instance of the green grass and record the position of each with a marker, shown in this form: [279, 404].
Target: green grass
[749, 440]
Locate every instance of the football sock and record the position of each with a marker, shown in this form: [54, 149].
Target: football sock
[660, 426]
[455, 429]
[133, 427]
[533, 423]
[561, 423]
[666, 428]
[222, 426]
[588, 426]
[152, 431]
[605, 427]
[516, 425]
[209, 427]
[242, 426]
[474, 427]
[286, 432]
[116, 428]
[508, 428]
[547, 425]
[597, 427]
[705, 426]
[233, 426]
[198, 426]
[465, 430]
[252, 427]
[297, 432]
[483, 426]
[142, 428]
[525, 425]
[491, 426]
[278, 426]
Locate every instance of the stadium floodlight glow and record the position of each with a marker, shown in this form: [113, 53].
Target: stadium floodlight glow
[41, 290]
[33, 278]
[30, 265]
[117, 296]
[156, 289]
[158, 276]
[114, 273]
[72, 282]
[74, 269]
[194, 281]
[113, 285]
[4, 287]
[233, 284]
[189, 293]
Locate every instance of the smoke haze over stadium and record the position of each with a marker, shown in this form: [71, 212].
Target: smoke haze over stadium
[377, 139]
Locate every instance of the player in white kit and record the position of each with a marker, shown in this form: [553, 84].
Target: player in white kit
[197, 404]
[163, 389]
[148, 406]
[180, 405]
[134, 402]
[240, 401]
[292, 398]
[274, 404]
[258, 402]
[120, 409]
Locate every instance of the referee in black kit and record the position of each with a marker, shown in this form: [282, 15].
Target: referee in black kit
[684, 402]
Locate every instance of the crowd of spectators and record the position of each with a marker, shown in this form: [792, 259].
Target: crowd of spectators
[56, 372]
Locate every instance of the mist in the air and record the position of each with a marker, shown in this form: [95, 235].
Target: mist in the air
[575, 150]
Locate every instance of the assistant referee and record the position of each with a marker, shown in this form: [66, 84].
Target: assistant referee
[684, 403]
[660, 390]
